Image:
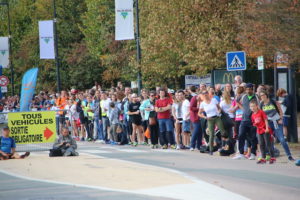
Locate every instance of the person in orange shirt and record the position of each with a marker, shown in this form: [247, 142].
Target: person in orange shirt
[61, 102]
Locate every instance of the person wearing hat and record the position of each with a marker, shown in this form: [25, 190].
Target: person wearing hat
[8, 146]
[247, 130]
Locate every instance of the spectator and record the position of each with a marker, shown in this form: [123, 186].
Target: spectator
[212, 109]
[114, 122]
[150, 115]
[8, 146]
[275, 120]
[286, 106]
[260, 121]
[136, 119]
[247, 130]
[65, 145]
[196, 140]
[163, 108]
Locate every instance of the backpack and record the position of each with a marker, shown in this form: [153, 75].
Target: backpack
[55, 153]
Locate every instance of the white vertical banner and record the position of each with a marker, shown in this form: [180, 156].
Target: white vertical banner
[46, 39]
[4, 52]
[124, 29]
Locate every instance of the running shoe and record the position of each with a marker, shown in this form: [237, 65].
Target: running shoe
[152, 146]
[262, 161]
[134, 144]
[252, 157]
[173, 146]
[239, 157]
[268, 157]
[178, 147]
[25, 155]
[272, 161]
[192, 149]
[164, 147]
[291, 158]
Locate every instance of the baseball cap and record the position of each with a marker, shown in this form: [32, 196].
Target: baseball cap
[249, 85]
[5, 127]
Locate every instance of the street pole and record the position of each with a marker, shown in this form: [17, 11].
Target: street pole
[56, 47]
[138, 46]
[10, 50]
[292, 129]
[263, 80]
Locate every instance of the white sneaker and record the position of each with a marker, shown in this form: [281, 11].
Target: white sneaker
[252, 157]
[98, 141]
[177, 147]
[239, 157]
[192, 149]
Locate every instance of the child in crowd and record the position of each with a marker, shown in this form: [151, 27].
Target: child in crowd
[121, 136]
[260, 121]
[114, 122]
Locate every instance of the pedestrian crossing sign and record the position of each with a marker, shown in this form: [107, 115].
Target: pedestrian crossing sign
[236, 61]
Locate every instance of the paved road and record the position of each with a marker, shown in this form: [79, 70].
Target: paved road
[279, 181]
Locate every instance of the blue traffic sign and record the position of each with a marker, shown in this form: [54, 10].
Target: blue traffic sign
[236, 61]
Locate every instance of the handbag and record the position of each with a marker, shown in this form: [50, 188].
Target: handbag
[147, 133]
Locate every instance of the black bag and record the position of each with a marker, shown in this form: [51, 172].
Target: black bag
[55, 153]
[227, 121]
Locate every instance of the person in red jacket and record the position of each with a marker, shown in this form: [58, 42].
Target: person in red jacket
[260, 121]
[197, 131]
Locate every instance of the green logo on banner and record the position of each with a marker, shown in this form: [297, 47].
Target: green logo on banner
[3, 52]
[124, 14]
[47, 40]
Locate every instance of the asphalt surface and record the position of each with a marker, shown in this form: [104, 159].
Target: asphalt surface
[244, 177]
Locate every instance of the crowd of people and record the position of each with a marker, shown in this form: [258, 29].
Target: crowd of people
[240, 119]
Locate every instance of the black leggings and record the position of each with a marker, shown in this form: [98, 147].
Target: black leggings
[264, 141]
[154, 133]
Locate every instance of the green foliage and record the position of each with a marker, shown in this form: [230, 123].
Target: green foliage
[178, 37]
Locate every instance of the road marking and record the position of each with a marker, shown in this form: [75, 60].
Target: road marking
[167, 150]
[94, 151]
[189, 191]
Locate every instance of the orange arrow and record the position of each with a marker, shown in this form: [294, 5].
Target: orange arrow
[47, 133]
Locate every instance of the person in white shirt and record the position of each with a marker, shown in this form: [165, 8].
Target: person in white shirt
[177, 114]
[227, 107]
[186, 123]
[74, 116]
[212, 109]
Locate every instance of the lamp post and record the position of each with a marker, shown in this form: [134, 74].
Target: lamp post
[56, 47]
[10, 49]
[138, 46]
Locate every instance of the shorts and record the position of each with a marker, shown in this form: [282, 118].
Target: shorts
[180, 120]
[186, 126]
[286, 121]
[136, 120]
